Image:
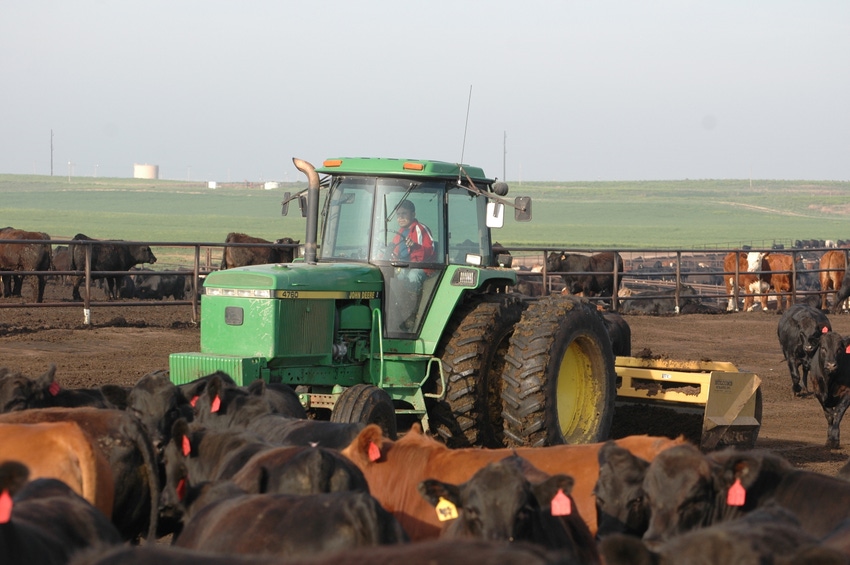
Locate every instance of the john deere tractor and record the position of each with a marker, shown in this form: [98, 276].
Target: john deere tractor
[366, 334]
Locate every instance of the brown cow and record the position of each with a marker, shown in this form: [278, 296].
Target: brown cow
[403, 464]
[782, 278]
[833, 264]
[24, 257]
[243, 256]
[63, 451]
[753, 278]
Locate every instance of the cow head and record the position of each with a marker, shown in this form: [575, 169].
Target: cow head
[18, 392]
[498, 502]
[142, 254]
[553, 261]
[158, 404]
[754, 261]
[620, 503]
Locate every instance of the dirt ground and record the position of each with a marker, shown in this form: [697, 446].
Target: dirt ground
[124, 343]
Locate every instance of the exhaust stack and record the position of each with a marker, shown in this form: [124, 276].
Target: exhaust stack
[310, 245]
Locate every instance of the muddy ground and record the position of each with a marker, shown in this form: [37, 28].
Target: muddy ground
[124, 343]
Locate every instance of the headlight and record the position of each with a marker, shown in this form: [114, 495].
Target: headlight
[465, 277]
[239, 292]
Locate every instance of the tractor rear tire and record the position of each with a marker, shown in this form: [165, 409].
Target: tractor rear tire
[472, 354]
[559, 378]
[367, 404]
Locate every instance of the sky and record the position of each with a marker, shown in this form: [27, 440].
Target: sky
[227, 91]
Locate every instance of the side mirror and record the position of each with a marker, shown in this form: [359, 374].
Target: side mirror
[495, 214]
[284, 206]
[522, 212]
[302, 203]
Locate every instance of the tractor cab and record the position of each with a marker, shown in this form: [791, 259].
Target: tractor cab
[411, 220]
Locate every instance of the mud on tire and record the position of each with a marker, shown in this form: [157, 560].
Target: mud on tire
[559, 379]
[472, 354]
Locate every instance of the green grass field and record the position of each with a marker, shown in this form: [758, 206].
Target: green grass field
[686, 214]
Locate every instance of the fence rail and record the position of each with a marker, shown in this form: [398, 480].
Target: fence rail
[652, 272]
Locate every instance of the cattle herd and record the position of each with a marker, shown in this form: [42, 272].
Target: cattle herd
[113, 264]
[211, 472]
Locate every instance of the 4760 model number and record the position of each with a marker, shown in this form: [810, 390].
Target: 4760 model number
[287, 294]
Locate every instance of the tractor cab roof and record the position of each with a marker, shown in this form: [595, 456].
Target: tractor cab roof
[412, 168]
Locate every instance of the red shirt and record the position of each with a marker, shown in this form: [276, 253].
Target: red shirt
[414, 243]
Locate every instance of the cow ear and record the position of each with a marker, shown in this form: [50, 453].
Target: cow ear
[257, 388]
[545, 491]
[47, 381]
[608, 449]
[433, 490]
[360, 450]
[740, 466]
[179, 430]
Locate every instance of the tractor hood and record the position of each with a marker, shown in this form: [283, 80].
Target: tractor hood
[350, 278]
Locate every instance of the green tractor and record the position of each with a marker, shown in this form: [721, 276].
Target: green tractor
[364, 333]
[381, 326]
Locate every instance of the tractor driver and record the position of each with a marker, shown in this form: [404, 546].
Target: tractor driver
[412, 242]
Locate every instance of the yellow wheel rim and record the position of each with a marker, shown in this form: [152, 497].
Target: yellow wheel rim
[576, 396]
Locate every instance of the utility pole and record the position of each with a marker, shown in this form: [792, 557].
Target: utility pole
[51, 153]
[504, 156]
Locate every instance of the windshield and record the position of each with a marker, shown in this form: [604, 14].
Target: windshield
[347, 220]
[408, 213]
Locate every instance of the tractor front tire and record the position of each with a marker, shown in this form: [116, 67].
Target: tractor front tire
[367, 404]
[472, 354]
[559, 377]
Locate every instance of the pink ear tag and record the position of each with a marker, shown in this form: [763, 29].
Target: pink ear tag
[561, 505]
[736, 495]
[374, 452]
[181, 489]
[187, 447]
[824, 330]
[54, 388]
[5, 507]
[847, 350]
[216, 404]
[193, 401]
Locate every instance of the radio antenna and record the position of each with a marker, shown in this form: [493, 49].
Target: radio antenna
[466, 125]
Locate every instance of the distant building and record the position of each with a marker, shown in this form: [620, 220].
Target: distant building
[145, 171]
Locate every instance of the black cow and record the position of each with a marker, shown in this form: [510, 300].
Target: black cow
[619, 333]
[280, 397]
[587, 275]
[759, 537]
[799, 331]
[107, 256]
[253, 413]
[687, 489]
[831, 382]
[621, 506]
[221, 517]
[159, 287]
[512, 500]
[124, 442]
[24, 257]
[243, 256]
[456, 551]
[45, 522]
[663, 302]
[158, 404]
[18, 392]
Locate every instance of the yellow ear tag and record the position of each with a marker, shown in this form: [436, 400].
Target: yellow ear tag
[446, 510]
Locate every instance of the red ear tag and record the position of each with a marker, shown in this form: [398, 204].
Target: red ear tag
[736, 495]
[824, 330]
[374, 452]
[193, 401]
[216, 404]
[181, 490]
[847, 351]
[561, 505]
[54, 388]
[187, 447]
[5, 507]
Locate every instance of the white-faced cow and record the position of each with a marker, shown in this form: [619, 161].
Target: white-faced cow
[753, 278]
[831, 382]
[107, 256]
[587, 275]
[799, 331]
[240, 256]
[24, 257]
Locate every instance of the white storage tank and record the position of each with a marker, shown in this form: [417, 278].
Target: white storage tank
[145, 171]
